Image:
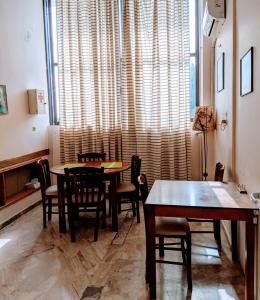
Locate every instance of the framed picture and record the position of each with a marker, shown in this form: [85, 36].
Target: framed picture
[246, 73]
[221, 72]
[3, 100]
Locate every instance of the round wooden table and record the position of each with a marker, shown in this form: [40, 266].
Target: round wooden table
[111, 175]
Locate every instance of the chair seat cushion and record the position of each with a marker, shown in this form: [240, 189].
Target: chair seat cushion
[52, 191]
[125, 187]
[171, 226]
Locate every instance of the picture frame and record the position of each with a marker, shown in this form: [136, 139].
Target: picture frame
[3, 100]
[221, 72]
[246, 72]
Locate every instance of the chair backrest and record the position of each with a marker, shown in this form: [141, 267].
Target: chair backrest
[91, 156]
[43, 172]
[142, 179]
[219, 172]
[135, 169]
[85, 184]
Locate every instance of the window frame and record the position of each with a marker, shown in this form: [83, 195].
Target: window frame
[196, 54]
[53, 113]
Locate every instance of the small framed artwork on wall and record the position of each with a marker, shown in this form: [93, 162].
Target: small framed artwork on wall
[246, 72]
[3, 100]
[221, 73]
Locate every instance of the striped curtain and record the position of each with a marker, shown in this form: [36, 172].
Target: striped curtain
[134, 101]
[156, 86]
[89, 82]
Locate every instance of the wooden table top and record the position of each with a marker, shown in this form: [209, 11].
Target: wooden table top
[199, 194]
[59, 169]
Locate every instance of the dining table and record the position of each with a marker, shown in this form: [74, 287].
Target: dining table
[112, 170]
[203, 200]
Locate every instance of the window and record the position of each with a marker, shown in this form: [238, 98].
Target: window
[194, 56]
[52, 57]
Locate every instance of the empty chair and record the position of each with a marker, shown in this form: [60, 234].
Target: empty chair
[169, 227]
[49, 192]
[97, 156]
[219, 174]
[85, 193]
[91, 156]
[128, 192]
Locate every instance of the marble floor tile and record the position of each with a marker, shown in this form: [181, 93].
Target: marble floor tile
[37, 263]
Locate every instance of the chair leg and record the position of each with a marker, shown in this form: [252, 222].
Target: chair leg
[137, 205]
[109, 207]
[217, 232]
[44, 213]
[109, 201]
[137, 210]
[104, 209]
[133, 207]
[97, 224]
[189, 270]
[49, 208]
[161, 246]
[71, 216]
[183, 251]
[119, 208]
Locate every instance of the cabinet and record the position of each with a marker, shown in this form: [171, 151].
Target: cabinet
[36, 101]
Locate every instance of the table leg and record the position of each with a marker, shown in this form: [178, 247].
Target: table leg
[61, 203]
[150, 244]
[250, 261]
[234, 240]
[114, 202]
[146, 247]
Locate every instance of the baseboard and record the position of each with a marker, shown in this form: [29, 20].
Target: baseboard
[18, 215]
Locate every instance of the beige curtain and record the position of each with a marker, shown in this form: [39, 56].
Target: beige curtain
[141, 108]
[89, 86]
[156, 86]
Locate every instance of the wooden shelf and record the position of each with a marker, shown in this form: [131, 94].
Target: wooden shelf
[8, 168]
[17, 162]
[18, 196]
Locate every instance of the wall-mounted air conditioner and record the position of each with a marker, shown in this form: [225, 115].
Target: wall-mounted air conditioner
[214, 17]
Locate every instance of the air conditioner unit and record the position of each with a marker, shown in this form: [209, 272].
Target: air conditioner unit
[214, 17]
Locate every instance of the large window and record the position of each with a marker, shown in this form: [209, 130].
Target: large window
[52, 57]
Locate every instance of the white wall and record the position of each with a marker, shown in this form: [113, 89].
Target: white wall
[224, 99]
[22, 67]
[248, 107]
[223, 136]
[238, 146]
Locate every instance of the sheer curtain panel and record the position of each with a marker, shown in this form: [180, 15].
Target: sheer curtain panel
[88, 64]
[131, 97]
[156, 86]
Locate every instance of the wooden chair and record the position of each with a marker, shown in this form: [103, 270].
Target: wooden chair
[128, 192]
[91, 156]
[97, 156]
[85, 193]
[49, 192]
[168, 227]
[219, 174]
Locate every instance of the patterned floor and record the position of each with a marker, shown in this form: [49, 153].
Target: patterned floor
[42, 264]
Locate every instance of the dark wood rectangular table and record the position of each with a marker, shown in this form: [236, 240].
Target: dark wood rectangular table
[203, 200]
